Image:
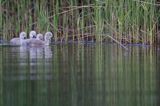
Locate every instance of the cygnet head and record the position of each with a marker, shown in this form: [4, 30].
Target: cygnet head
[48, 35]
[39, 36]
[32, 34]
[22, 35]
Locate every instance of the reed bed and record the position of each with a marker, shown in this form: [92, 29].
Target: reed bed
[126, 21]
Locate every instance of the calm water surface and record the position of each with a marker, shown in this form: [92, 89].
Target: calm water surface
[79, 75]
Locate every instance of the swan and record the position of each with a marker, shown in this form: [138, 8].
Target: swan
[20, 40]
[39, 36]
[47, 37]
[32, 34]
[16, 41]
[38, 42]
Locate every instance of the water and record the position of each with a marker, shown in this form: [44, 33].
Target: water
[79, 75]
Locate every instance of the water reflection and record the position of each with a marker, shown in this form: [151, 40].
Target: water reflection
[80, 75]
[25, 60]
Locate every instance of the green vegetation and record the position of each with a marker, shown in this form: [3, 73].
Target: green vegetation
[119, 20]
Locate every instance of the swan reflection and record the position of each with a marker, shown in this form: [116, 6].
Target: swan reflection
[36, 62]
[23, 52]
[33, 55]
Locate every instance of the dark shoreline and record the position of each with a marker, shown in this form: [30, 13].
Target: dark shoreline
[5, 43]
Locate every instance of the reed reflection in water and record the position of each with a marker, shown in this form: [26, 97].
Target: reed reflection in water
[79, 75]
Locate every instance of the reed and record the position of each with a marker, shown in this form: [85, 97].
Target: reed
[127, 21]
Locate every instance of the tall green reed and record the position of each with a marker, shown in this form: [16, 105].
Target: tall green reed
[125, 21]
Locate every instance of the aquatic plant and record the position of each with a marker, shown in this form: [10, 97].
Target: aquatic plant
[126, 21]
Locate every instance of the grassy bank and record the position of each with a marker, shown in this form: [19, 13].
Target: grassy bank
[101, 20]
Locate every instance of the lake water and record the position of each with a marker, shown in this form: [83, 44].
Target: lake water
[80, 75]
